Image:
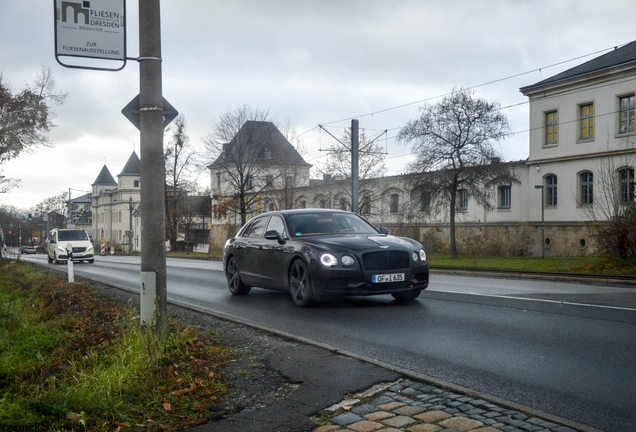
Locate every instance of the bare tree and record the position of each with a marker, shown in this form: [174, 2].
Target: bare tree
[453, 141]
[255, 160]
[26, 119]
[179, 160]
[610, 205]
[371, 164]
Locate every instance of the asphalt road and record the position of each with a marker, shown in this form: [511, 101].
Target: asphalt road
[564, 348]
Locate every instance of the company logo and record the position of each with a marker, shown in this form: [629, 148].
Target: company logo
[78, 8]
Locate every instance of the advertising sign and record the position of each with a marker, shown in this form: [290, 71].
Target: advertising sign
[91, 29]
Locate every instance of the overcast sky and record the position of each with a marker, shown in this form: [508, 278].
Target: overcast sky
[312, 61]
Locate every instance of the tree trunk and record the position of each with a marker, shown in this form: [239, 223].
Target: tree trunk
[453, 244]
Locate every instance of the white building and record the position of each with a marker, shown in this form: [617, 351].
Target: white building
[582, 157]
[114, 203]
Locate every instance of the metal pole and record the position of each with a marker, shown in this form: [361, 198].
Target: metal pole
[153, 226]
[542, 221]
[354, 165]
[130, 226]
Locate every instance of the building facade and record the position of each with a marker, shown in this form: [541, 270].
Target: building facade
[580, 171]
[115, 205]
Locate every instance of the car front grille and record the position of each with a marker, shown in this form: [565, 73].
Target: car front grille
[385, 260]
[79, 249]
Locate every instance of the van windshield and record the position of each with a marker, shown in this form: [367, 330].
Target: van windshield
[71, 235]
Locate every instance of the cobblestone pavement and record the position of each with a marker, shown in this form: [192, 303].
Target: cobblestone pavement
[415, 407]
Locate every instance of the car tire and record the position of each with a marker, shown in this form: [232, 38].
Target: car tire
[233, 275]
[48, 257]
[91, 261]
[300, 284]
[406, 296]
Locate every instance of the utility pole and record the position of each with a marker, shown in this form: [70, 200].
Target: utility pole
[542, 221]
[130, 228]
[355, 144]
[153, 226]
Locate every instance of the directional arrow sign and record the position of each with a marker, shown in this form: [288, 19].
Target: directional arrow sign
[131, 112]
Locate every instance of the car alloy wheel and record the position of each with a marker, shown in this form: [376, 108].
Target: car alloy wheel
[237, 287]
[300, 284]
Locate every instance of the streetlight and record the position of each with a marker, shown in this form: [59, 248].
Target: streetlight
[542, 222]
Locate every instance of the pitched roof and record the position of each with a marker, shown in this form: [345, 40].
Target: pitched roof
[82, 199]
[618, 57]
[132, 167]
[104, 178]
[256, 136]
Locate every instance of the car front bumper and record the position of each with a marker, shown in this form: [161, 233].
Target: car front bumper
[358, 282]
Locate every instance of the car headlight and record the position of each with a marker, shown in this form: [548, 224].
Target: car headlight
[61, 248]
[329, 260]
[414, 255]
[90, 248]
[347, 261]
[422, 255]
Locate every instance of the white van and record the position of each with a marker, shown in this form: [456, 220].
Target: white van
[81, 244]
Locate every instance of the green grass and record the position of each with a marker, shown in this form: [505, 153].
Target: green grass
[566, 265]
[71, 358]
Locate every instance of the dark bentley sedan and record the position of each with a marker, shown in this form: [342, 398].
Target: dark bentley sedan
[319, 253]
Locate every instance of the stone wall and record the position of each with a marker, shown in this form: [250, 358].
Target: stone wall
[563, 239]
[503, 239]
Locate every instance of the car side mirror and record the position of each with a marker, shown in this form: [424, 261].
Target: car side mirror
[383, 230]
[274, 235]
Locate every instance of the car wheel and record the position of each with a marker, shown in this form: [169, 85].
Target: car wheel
[300, 286]
[91, 261]
[48, 257]
[406, 296]
[237, 287]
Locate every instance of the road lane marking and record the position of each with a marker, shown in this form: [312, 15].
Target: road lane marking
[535, 299]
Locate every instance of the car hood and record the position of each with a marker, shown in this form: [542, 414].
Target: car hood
[358, 242]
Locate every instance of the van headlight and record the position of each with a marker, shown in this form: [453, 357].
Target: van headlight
[90, 248]
[61, 248]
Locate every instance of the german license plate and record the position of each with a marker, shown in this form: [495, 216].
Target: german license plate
[395, 277]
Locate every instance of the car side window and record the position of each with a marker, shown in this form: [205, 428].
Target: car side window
[258, 227]
[246, 231]
[276, 224]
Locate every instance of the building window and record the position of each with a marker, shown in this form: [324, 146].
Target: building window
[323, 203]
[587, 121]
[136, 183]
[626, 182]
[249, 182]
[394, 203]
[425, 202]
[268, 153]
[587, 188]
[626, 106]
[344, 204]
[218, 180]
[462, 199]
[303, 204]
[551, 191]
[365, 205]
[503, 197]
[269, 180]
[551, 128]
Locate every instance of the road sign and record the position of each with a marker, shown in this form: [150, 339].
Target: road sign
[131, 112]
[93, 29]
[45, 217]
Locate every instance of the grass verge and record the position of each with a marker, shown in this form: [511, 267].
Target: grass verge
[565, 265]
[71, 358]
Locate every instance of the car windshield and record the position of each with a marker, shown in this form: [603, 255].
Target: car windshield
[70, 235]
[329, 223]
